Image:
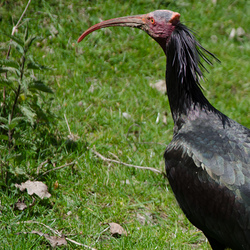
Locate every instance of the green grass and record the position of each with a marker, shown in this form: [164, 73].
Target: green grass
[95, 82]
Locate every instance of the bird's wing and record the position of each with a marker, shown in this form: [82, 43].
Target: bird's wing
[224, 153]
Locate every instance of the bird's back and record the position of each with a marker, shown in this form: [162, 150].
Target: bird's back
[208, 168]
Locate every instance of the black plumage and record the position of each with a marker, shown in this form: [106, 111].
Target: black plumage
[208, 160]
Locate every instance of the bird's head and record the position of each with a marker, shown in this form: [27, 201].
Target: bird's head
[158, 24]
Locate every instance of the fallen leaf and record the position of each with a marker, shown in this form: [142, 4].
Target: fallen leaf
[53, 30]
[20, 205]
[91, 88]
[80, 104]
[141, 219]
[56, 185]
[232, 33]
[158, 118]
[117, 230]
[214, 38]
[125, 182]
[126, 115]
[56, 241]
[73, 137]
[164, 119]
[240, 32]
[34, 187]
[146, 218]
[160, 86]
[53, 240]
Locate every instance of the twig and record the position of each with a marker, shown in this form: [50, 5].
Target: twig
[41, 165]
[102, 233]
[70, 136]
[88, 107]
[67, 123]
[114, 155]
[130, 128]
[55, 232]
[53, 169]
[16, 26]
[126, 164]
[79, 244]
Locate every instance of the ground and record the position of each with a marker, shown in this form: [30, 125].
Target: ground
[104, 102]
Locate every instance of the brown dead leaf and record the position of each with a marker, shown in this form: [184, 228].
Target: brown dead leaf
[53, 240]
[125, 182]
[91, 88]
[20, 205]
[126, 115]
[56, 241]
[56, 184]
[53, 30]
[232, 33]
[117, 230]
[240, 32]
[160, 86]
[34, 187]
[164, 119]
[146, 218]
[73, 137]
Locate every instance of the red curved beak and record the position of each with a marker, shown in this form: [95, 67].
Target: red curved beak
[129, 21]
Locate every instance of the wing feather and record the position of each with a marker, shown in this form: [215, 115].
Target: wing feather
[224, 153]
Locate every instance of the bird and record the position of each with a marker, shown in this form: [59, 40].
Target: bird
[208, 160]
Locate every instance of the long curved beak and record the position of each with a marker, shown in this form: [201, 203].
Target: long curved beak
[130, 21]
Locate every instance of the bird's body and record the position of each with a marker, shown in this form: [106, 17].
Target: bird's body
[208, 160]
[208, 176]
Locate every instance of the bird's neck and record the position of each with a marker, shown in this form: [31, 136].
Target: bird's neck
[183, 75]
[184, 96]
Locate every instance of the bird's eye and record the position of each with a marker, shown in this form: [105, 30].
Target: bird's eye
[152, 20]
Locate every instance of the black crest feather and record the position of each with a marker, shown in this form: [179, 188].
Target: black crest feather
[188, 52]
